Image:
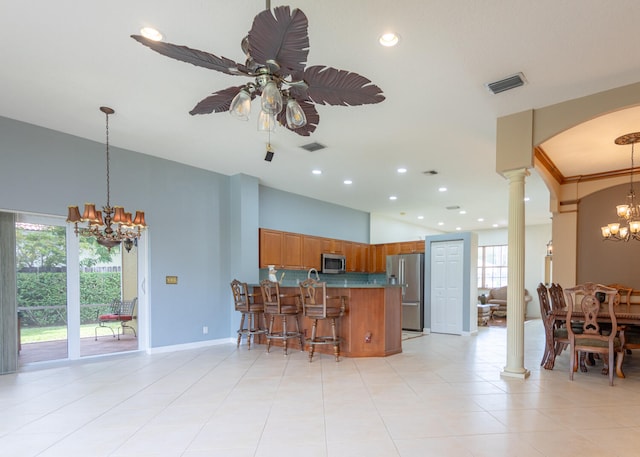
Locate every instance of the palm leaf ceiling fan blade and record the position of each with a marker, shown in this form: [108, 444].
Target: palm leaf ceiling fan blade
[194, 56]
[218, 102]
[331, 86]
[281, 37]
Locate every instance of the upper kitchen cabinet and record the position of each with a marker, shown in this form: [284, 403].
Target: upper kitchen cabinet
[411, 247]
[292, 251]
[282, 249]
[357, 255]
[270, 248]
[331, 246]
[392, 249]
[312, 252]
[377, 258]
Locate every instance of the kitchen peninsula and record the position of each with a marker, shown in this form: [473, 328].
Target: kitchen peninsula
[371, 327]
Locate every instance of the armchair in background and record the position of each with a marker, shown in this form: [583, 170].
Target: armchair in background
[497, 298]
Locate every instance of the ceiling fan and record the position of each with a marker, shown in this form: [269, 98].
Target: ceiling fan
[276, 51]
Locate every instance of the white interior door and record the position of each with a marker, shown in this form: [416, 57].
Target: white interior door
[447, 286]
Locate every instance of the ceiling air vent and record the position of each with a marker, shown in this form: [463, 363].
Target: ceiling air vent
[430, 172]
[313, 147]
[453, 207]
[508, 83]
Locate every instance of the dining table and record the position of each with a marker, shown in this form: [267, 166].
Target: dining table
[626, 316]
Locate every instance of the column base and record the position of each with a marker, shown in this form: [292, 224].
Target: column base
[512, 374]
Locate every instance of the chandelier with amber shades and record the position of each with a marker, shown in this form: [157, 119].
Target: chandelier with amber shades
[113, 225]
[628, 225]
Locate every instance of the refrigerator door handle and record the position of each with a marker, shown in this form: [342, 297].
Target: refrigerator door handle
[402, 276]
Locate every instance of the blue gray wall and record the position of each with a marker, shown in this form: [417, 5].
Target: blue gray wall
[294, 213]
[203, 226]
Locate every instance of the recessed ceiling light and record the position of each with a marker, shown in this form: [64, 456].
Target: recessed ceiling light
[402, 170]
[440, 223]
[458, 228]
[151, 33]
[393, 197]
[463, 212]
[420, 217]
[348, 181]
[480, 219]
[494, 225]
[442, 189]
[526, 199]
[316, 172]
[389, 39]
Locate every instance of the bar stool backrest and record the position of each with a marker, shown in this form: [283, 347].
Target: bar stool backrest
[316, 304]
[240, 295]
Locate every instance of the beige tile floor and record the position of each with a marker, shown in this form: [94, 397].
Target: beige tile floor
[443, 396]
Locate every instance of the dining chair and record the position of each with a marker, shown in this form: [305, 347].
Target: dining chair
[556, 337]
[556, 294]
[631, 332]
[623, 297]
[583, 305]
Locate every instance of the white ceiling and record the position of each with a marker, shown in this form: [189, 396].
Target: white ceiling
[63, 59]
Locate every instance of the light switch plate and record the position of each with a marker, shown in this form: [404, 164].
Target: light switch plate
[172, 279]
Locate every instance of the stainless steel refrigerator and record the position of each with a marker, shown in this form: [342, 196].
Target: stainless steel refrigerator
[408, 270]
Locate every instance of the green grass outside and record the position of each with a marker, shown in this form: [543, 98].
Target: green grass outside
[40, 334]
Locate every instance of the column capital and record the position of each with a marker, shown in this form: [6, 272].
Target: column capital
[514, 175]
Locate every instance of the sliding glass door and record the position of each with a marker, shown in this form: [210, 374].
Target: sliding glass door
[64, 283]
[41, 277]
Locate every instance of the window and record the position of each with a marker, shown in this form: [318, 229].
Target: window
[492, 266]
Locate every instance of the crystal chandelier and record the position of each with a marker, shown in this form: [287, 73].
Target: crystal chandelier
[116, 225]
[628, 213]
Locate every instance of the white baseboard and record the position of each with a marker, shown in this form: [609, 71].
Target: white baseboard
[196, 345]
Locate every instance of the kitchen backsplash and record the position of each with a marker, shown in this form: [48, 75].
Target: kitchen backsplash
[350, 278]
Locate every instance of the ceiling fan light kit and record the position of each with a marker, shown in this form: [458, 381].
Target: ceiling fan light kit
[628, 225]
[276, 50]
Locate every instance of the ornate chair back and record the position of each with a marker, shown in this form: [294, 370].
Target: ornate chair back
[316, 304]
[583, 305]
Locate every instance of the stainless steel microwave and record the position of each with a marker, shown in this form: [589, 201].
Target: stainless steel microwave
[334, 263]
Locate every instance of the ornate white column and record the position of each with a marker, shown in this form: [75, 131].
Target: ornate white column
[515, 279]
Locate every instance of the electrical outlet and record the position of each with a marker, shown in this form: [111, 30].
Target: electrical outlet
[205, 330]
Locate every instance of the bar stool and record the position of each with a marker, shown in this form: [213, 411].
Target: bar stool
[251, 310]
[281, 305]
[317, 305]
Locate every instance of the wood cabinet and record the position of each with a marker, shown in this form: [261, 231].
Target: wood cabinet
[331, 246]
[392, 248]
[291, 251]
[411, 247]
[375, 322]
[270, 248]
[312, 252]
[362, 258]
[357, 255]
[371, 327]
[377, 258]
[282, 249]
[294, 251]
